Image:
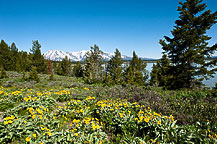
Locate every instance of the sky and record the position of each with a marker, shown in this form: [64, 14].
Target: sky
[75, 25]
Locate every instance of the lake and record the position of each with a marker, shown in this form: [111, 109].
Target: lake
[210, 83]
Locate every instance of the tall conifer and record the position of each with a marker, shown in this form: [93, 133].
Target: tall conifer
[188, 48]
[93, 71]
[114, 68]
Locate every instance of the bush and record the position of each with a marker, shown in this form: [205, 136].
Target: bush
[33, 75]
[3, 74]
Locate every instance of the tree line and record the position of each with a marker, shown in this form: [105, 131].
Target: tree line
[183, 64]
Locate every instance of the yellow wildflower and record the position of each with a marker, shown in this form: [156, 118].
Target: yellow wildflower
[28, 139]
[34, 135]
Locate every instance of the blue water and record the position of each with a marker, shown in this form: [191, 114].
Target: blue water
[209, 83]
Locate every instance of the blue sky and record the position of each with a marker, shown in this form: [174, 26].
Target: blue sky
[74, 25]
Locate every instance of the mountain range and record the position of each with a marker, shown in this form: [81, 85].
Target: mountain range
[57, 55]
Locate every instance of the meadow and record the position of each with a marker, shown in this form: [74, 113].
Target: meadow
[65, 110]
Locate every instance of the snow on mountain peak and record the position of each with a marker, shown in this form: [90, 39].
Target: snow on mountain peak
[57, 55]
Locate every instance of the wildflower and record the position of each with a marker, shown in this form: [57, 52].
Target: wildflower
[153, 141]
[121, 114]
[5, 122]
[49, 133]
[28, 139]
[34, 135]
[33, 117]
[76, 134]
[159, 122]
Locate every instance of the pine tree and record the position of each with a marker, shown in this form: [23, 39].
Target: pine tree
[3, 73]
[115, 69]
[24, 60]
[78, 70]
[58, 69]
[161, 73]
[5, 56]
[65, 66]
[155, 75]
[37, 58]
[108, 80]
[33, 74]
[93, 71]
[14, 66]
[51, 77]
[136, 73]
[188, 48]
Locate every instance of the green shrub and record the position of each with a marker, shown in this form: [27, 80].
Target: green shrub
[33, 75]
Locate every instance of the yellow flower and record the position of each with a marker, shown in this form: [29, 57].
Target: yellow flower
[49, 133]
[153, 141]
[33, 117]
[34, 135]
[146, 119]
[10, 121]
[159, 122]
[121, 114]
[28, 139]
[76, 134]
[5, 122]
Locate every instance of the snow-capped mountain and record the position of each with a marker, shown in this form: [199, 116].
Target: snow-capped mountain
[57, 55]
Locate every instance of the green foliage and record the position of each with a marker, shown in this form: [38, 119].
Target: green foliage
[93, 70]
[188, 48]
[51, 77]
[136, 73]
[114, 69]
[37, 58]
[161, 73]
[64, 67]
[3, 73]
[34, 116]
[78, 70]
[5, 56]
[33, 74]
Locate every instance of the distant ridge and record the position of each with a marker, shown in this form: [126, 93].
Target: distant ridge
[57, 55]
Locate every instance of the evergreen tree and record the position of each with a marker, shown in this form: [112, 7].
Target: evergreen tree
[114, 68]
[24, 60]
[155, 75]
[136, 73]
[93, 71]
[33, 74]
[37, 58]
[58, 69]
[3, 73]
[14, 56]
[108, 80]
[161, 73]
[65, 66]
[51, 77]
[188, 48]
[78, 70]
[5, 56]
